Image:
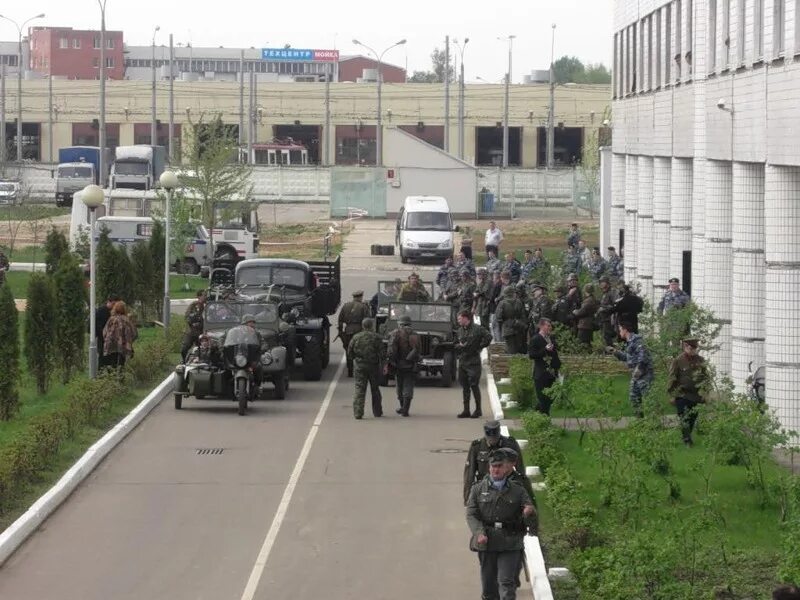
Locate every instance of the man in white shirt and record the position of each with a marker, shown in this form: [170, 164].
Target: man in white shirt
[493, 238]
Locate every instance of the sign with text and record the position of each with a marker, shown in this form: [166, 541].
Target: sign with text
[300, 54]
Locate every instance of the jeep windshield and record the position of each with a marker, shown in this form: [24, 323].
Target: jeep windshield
[427, 313]
[428, 221]
[279, 276]
[390, 290]
[231, 313]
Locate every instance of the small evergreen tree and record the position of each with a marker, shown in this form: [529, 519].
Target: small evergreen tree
[9, 354]
[71, 315]
[55, 247]
[124, 271]
[114, 271]
[156, 246]
[40, 324]
[143, 277]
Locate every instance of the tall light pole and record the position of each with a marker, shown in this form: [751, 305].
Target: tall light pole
[102, 161]
[461, 99]
[92, 197]
[153, 124]
[510, 39]
[446, 75]
[551, 114]
[169, 181]
[379, 131]
[19, 78]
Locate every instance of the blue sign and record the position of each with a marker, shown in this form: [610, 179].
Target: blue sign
[288, 54]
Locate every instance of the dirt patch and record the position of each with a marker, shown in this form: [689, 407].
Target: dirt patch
[301, 241]
[523, 235]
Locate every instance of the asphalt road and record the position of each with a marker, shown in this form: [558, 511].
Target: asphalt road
[303, 503]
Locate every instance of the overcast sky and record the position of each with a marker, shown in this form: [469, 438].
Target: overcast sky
[583, 27]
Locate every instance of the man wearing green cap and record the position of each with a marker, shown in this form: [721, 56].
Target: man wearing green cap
[688, 376]
[511, 319]
[403, 354]
[366, 348]
[350, 319]
[499, 511]
[471, 339]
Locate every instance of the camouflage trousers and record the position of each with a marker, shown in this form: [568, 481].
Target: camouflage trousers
[636, 391]
[367, 375]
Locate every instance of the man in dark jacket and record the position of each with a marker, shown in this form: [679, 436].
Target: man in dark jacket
[546, 363]
[605, 314]
[477, 465]
[403, 354]
[628, 307]
[688, 375]
[101, 316]
[499, 511]
[471, 339]
[584, 316]
[511, 320]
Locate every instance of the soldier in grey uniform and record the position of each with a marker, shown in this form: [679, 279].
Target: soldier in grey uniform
[493, 264]
[443, 276]
[571, 263]
[483, 298]
[350, 318]
[637, 357]
[510, 315]
[674, 297]
[466, 293]
[605, 314]
[477, 465]
[614, 265]
[471, 340]
[574, 235]
[597, 264]
[366, 348]
[499, 512]
[541, 307]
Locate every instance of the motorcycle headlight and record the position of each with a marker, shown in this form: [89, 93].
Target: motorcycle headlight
[266, 359]
[241, 360]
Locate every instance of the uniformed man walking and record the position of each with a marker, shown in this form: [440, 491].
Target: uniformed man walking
[541, 307]
[466, 293]
[471, 340]
[510, 315]
[674, 297]
[403, 354]
[194, 324]
[637, 357]
[350, 319]
[483, 298]
[366, 349]
[477, 465]
[688, 376]
[499, 512]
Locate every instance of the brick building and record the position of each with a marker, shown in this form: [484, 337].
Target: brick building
[705, 172]
[351, 68]
[75, 54]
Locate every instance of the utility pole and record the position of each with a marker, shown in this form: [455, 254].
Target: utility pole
[241, 101]
[250, 115]
[171, 125]
[505, 111]
[447, 93]
[102, 161]
[153, 124]
[461, 99]
[50, 116]
[327, 137]
[551, 114]
[255, 107]
[3, 142]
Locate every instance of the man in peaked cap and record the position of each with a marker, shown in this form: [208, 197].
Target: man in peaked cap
[688, 378]
[402, 357]
[477, 465]
[674, 297]
[351, 317]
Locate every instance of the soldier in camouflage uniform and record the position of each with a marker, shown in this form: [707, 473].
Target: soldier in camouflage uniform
[605, 314]
[403, 354]
[571, 263]
[462, 263]
[493, 264]
[528, 266]
[466, 293]
[452, 289]
[614, 265]
[499, 512]
[541, 307]
[574, 235]
[511, 320]
[471, 340]
[674, 297]
[513, 267]
[350, 318]
[366, 348]
[194, 324]
[597, 265]
[483, 298]
[443, 276]
[414, 291]
[637, 357]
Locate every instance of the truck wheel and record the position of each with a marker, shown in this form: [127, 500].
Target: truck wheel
[241, 395]
[448, 370]
[189, 266]
[312, 361]
[281, 384]
[178, 401]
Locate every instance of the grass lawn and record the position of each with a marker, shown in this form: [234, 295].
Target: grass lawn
[27, 254]
[301, 241]
[30, 212]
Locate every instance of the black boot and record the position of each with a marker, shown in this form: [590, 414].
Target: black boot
[406, 407]
[464, 414]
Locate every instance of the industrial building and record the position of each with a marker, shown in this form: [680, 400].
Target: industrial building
[705, 172]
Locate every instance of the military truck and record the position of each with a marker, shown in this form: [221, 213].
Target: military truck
[435, 323]
[307, 293]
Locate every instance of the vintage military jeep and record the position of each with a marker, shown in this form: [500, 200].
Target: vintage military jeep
[435, 323]
[214, 369]
[389, 291]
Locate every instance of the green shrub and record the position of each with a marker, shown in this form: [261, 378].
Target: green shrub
[543, 450]
[71, 315]
[55, 248]
[9, 354]
[40, 324]
[522, 389]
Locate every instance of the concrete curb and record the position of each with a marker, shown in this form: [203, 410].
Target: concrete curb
[13, 537]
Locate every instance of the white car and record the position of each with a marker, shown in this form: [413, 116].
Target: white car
[9, 192]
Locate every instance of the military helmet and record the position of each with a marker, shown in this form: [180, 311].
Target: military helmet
[404, 320]
[247, 319]
[509, 291]
[368, 324]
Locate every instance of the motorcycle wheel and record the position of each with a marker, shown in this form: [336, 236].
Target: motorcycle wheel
[241, 396]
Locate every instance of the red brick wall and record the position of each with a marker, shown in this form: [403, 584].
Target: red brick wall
[352, 69]
[47, 55]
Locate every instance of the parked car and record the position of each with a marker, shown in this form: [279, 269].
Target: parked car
[9, 192]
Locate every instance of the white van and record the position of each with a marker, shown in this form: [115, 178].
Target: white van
[425, 228]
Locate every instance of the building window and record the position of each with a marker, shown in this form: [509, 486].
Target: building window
[109, 62]
[712, 36]
[668, 42]
[76, 44]
[779, 27]
[741, 31]
[758, 29]
[659, 49]
[110, 43]
[96, 62]
[726, 32]
[96, 43]
[689, 34]
[615, 74]
[641, 55]
[650, 52]
[63, 43]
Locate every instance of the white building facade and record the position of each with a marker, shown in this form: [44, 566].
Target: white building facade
[706, 171]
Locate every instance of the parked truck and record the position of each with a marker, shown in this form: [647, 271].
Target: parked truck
[78, 166]
[137, 167]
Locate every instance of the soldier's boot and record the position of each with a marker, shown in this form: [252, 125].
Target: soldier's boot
[477, 413]
[464, 414]
[406, 407]
[349, 367]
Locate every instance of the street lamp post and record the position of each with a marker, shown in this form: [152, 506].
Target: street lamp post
[102, 159]
[551, 117]
[92, 197]
[510, 39]
[153, 125]
[461, 98]
[169, 181]
[379, 132]
[19, 78]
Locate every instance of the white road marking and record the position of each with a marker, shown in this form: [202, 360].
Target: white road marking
[283, 507]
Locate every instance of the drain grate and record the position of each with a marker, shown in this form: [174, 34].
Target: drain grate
[449, 451]
[206, 451]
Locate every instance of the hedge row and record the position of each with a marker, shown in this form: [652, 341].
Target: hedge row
[86, 403]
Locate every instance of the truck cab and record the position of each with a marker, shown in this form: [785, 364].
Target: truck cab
[72, 177]
[137, 167]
